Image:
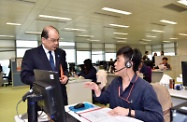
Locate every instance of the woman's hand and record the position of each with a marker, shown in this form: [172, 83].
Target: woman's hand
[94, 87]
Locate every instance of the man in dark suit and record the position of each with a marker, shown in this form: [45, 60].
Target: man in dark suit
[41, 57]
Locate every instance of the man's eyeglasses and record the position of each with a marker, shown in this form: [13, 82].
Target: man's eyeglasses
[53, 40]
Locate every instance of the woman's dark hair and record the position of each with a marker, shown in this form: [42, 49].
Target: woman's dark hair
[88, 64]
[129, 53]
[46, 30]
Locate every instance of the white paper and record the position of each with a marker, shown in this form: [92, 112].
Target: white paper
[101, 115]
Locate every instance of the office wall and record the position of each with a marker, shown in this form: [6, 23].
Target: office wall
[7, 55]
[181, 47]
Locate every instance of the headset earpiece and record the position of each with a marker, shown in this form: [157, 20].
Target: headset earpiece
[128, 64]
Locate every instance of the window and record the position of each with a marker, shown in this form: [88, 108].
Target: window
[82, 55]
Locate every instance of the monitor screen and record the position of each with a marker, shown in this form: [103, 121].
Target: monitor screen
[48, 86]
[184, 72]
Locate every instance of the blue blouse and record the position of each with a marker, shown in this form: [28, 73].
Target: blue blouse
[142, 99]
[91, 75]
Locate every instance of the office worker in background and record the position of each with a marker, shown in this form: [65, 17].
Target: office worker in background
[145, 72]
[145, 57]
[153, 58]
[88, 71]
[128, 94]
[47, 56]
[1, 68]
[164, 65]
[162, 53]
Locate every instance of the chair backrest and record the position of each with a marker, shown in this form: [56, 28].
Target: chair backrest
[164, 99]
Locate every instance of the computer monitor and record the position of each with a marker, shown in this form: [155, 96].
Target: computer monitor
[48, 86]
[184, 72]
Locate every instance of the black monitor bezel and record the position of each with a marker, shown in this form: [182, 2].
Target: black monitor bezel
[49, 80]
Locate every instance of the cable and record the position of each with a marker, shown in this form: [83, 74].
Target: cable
[17, 110]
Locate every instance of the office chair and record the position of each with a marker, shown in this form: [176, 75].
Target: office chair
[164, 99]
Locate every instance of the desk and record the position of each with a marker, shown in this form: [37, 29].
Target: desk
[100, 115]
[178, 96]
[76, 92]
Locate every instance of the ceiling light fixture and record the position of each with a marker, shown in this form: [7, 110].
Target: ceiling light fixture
[159, 31]
[74, 29]
[6, 36]
[183, 34]
[116, 25]
[184, 2]
[120, 38]
[33, 32]
[173, 38]
[54, 17]
[11, 23]
[147, 40]
[150, 36]
[119, 33]
[122, 41]
[165, 41]
[168, 21]
[116, 10]
[89, 36]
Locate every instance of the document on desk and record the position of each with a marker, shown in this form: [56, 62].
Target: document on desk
[101, 115]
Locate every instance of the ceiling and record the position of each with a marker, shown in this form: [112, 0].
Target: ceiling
[89, 16]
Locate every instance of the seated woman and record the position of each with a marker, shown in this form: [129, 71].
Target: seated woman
[89, 72]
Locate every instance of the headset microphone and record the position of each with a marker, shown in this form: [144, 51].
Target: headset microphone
[120, 69]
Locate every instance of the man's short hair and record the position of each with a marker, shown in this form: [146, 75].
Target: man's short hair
[146, 52]
[165, 58]
[45, 31]
[127, 52]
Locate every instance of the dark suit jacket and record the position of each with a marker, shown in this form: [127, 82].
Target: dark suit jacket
[36, 59]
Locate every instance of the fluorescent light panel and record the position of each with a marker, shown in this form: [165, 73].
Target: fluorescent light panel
[120, 38]
[116, 25]
[159, 31]
[173, 38]
[11, 23]
[147, 40]
[33, 32]
[89, 36]
[122, 41]
[74, 29]
[54, 17]
[184, 2]
[116, 10]
[183, 34]
[168, 21]
[120, 33]
[166, 41]
[150, 36]
[6, 36]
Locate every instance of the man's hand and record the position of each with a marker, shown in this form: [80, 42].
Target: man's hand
[93, 86]
[63, 79]
[119, 111]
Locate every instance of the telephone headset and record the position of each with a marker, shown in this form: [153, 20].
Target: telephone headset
[128, 64]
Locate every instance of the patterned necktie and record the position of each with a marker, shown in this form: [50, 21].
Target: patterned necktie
[51, 60]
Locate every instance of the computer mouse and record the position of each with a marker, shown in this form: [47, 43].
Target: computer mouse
[79, 105]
